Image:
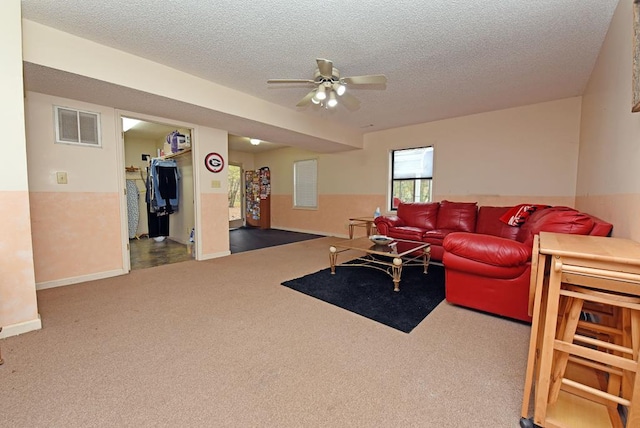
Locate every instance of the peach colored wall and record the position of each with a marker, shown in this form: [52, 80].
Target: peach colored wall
[18, 305]
[17, 283]
[521, 155]
[608, 184]
[75, 234]
[215, 227]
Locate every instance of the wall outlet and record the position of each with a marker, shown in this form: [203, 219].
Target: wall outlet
[61, 177]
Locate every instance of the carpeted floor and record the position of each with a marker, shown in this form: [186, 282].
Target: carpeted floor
[221, 343]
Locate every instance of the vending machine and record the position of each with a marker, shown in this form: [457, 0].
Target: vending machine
[258, 198]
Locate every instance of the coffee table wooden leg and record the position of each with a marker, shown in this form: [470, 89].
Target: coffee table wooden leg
[333, 256]
[397, 271]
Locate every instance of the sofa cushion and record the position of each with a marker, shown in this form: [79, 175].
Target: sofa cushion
[460, 216]
[489, 222]
[419, 214]
[555, 219]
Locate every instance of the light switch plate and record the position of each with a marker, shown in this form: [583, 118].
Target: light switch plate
[61, 176]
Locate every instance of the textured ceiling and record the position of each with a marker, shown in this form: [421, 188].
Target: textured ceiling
[442, 58]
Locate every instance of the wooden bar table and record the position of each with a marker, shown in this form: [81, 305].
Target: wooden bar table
[611, 259]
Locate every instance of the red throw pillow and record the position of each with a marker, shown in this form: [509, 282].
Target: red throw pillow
[517, 215]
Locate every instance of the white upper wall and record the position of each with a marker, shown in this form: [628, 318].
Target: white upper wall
[529, 151]
[524, 151]
[62, 51]
[610, 134]
[13, 174]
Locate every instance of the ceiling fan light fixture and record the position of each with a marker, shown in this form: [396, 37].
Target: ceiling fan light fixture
[254, 141]
[321, 93]
[332, 100]
[339, 88]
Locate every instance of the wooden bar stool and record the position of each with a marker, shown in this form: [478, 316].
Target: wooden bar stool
[607, 342]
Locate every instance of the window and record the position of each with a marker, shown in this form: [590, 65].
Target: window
[77, 127]
[305, 184]
[411, 175]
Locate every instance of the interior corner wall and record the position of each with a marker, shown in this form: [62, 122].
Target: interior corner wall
[608, 184]
[18, 304]
[76, 226]
[520, 155]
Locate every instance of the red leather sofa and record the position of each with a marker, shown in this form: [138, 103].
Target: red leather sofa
[429, 222]
[487, 262]
[491, 269]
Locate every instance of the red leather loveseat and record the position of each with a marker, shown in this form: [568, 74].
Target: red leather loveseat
[487, 262]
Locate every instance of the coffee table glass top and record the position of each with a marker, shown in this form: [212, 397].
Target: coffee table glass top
[397, 248]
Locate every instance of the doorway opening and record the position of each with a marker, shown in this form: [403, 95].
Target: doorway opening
[160, 202]
[236, 199]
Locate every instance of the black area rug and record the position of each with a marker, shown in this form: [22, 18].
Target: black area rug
[248, 238]
[369, 292]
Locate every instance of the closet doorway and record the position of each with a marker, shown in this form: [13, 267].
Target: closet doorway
[236, 198]
[160, 215]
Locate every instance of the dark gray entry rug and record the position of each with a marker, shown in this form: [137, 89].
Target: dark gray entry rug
[369, 292]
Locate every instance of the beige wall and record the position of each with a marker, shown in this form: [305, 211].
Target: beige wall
[62, 51]
[85, 216]
[18, 305]
[520, 155]
[82, 217]
[608, 183]
[212, 199]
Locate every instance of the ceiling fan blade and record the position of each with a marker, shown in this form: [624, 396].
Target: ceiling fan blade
[290, 81]
[325, 67]
[372, 79]
[307, 99]
[349, 101]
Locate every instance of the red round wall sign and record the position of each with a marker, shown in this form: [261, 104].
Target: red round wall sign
[214, 162]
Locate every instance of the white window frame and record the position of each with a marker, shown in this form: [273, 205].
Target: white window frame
[79, 140]
[305, 184]
[417, 178]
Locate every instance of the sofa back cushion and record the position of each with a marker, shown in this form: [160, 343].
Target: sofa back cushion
[458, 216]
[555, 219]
[489, 222]
[419, 214]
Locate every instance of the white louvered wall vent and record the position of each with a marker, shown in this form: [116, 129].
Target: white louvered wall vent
[77, 127]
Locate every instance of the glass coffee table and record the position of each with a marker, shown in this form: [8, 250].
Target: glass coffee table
[389, 258]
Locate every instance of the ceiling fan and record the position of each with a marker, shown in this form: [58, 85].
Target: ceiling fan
[329, 86]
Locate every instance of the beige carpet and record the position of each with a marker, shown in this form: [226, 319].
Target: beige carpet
[221, 343]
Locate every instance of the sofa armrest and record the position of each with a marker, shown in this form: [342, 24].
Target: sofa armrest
[488, 249]
[389, 220]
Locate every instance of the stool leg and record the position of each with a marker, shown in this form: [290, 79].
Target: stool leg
[565, 333]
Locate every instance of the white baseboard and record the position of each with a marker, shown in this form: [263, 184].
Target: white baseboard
[20, 328]
[78, 279]
[215, 255]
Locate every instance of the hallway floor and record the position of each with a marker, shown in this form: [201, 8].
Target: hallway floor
[146, 253]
